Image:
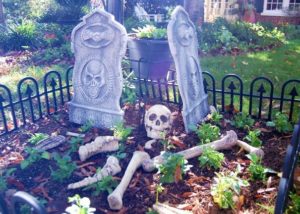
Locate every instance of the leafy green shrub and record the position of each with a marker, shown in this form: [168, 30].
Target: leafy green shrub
[242, 121]
[214, 36]
[122, 132]
[18, 36]
[3, 176]
[133, 23]
[253, 138]
[216, 117]
[107, 184]
[34, 156]
[208, 133]
[52, 54]
[211, 158]
[282, 123]
[225, 186]
[173, 168]
[224, 36]
[65, 167]
[80, 205]
[294, 206]
[75, 142]
[37, 137]
[256, 169]
[150, 32]
[290, 31]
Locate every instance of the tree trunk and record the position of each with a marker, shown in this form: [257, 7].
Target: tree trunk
[2, 19]
[195, 9]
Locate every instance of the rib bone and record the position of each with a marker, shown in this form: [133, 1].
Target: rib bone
[115, 198]
[100, 144]
[227, 142]
[111, 167]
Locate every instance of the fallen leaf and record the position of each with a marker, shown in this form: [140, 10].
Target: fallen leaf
[178, 174]
[13, 181]
[177, 142]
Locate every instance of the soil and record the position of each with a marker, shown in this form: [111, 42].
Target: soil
[192, 193]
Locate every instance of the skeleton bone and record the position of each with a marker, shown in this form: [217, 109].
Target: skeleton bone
[165, 209]
[111, 167]
[100, 144]
[227, 142]
[148, 144]
[115, 198]
[250, 149]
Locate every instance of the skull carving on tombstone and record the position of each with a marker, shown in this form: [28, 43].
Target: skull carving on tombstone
[158, 121]
[93, 78]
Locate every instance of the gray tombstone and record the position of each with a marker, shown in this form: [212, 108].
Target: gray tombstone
[183, 44]
[99, 43]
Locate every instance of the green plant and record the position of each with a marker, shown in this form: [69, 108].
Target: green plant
[107, 184]
[166, 142]
[150, 32]
[159, 189]
[256, 169]
[34, 156]
[150, 211]
[242, 121]
[75, 142]
[282, 123]
[294, 206]
[226, 185]
[253, 138]
[86, 127]
[208, 133]
[3, 176]
[129, 88]
[80, 205]
[37, 137]
[65, 167]
[120, 154]
[216, 117]
[173, 168]
[211, 158]
[122, 132]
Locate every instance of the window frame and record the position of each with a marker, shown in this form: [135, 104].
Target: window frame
[277, 12]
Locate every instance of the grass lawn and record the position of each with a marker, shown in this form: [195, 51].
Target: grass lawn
[279, 65]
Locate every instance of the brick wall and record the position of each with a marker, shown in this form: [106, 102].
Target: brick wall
[278, 19]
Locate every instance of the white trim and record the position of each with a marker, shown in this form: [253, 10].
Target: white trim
[285, 4]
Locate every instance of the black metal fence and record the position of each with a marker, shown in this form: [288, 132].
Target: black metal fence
[290, 162]
[33, 99]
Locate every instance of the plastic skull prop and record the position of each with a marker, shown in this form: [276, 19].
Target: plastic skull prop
[93, 78]
[158, 121]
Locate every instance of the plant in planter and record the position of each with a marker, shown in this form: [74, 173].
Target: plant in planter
[149, 50]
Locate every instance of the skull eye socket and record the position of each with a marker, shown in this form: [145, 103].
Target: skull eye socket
[98, 79]
[152, 117]
[163, 118]
[89, 78]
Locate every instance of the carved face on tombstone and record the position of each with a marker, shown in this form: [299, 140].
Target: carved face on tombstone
[158, 121]
[193, 68]
[93, 78]
[185, 34]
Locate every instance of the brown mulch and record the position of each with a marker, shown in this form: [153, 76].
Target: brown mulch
[192, 193]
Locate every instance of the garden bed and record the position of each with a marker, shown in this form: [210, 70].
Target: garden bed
[192, 193]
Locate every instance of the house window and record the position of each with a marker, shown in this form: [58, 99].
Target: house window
[280, 7]
[215, 4]
[294, 5]
[274, 4]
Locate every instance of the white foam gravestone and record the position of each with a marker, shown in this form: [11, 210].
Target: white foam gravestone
[99, 43]
[182, 37]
